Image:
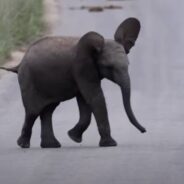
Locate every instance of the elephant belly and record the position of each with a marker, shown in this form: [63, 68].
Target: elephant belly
[59, 90]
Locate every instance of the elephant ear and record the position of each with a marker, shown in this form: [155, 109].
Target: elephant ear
[90, 44]
[89, 48]
[127, 33]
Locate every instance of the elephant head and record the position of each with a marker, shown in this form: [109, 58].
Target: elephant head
[113, 62]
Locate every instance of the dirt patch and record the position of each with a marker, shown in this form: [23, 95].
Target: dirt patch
[16, 58]
[120, 0]
[50, 15]
[97, 8]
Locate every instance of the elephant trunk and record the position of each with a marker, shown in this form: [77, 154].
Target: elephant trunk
[124, 82]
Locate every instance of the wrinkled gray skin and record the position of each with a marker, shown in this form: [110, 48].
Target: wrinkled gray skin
[55, 69]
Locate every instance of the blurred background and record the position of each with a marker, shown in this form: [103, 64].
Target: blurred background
[20, 22]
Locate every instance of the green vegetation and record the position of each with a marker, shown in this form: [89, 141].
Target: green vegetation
[20, 23]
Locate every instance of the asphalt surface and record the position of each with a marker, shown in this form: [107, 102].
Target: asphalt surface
[156, 68]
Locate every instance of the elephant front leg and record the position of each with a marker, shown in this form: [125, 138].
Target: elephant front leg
[100, 112]
[85, 118]
[48, 139]
[94, 97]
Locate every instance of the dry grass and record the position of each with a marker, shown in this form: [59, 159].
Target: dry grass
[20, 22]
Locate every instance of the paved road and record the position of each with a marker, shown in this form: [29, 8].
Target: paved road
[158, 99]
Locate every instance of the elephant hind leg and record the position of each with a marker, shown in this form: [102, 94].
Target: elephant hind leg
[33, 105]
[37, 105]
[85, 118]
[48, 139]
[24, 139]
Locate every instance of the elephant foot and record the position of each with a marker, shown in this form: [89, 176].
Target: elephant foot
[107, 142]
[75, 136]
[50, 143]
[23, 142]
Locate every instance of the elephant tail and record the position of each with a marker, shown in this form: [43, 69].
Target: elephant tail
[13, 69]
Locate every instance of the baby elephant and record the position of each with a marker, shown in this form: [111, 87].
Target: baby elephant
[53, 71]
